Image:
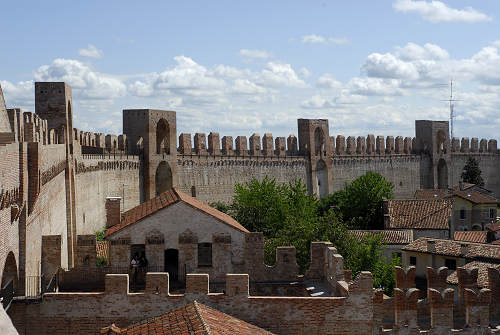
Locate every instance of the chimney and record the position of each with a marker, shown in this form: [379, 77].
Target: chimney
[431, 246]
[113, 214]
[463, 249]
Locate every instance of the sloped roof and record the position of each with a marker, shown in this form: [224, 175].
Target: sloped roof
[192, 319]
[471, 236]
[164, 200]
[418, 214]
[403, 236]
[494, 226]
[444, 247]
[482, 277]
[431, 194]
[475, 197]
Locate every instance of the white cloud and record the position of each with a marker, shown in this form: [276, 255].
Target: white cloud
[328, 81]
[245, 86]
[18, 95]
[91, 52]
[317, 102]
[437, 11]
[305, 73]
[389, 66]
[313, 38]
[413, 51]
[279, 74]
[374, 86]
[249, 53]
[85, 82]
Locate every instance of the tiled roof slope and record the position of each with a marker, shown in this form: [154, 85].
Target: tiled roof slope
[494, 226]
[418, 214]
[403, 236]
[476, 197]
[454, 248]
[430, 194]
[166, 199]
[471, 236]
[192, 319]
[482, 277]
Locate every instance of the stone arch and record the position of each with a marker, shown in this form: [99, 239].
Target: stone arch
[441, 137]
[163, 178]
[9, 272]
[321, 179]
[162, 137]
[319, 141]
[442, 171]
[139, 145]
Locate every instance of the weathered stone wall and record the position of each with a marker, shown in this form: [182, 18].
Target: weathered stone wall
[101, 176]
[402, 170]
[489, 163]
[214, 177]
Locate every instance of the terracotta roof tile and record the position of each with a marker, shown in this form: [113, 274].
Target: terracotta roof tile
[494, 226]
[194, 318]
[418, 214]
[471, 236]
[403, 236]
[482, 278]
[166, 199]
[475, 197]
[430, 194]
[443, 247]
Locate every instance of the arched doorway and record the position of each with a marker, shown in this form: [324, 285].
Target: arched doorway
[9, 278]
[172, 263]
[442, 171]
[322, 179]
[162, 137]
[319, 141]
[163, 178]
[441, 142]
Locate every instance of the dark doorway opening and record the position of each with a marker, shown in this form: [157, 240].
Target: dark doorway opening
[172, 264]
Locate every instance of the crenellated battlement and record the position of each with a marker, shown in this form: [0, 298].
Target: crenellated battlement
[483, 146]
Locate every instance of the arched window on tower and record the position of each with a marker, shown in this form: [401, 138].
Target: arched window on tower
[319, 142]
[162, 137]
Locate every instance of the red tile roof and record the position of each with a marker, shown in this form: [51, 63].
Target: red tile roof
[418, 214]
[494, 226]
[403, 236]
[430, 194]
[443, 247]
[166, 199]
[471, 236]
[482, 277]
[192, 319]
[476, 197]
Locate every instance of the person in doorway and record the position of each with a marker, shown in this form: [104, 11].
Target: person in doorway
[143, 262]
[134, 265]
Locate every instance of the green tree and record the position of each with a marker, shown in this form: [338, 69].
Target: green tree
[221, 206]
[360, 202]
[472, 173]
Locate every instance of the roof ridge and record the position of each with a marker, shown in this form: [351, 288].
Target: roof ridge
[203, 322]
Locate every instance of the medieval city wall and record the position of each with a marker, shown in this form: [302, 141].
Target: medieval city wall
[489, 163]
[214, 177]
[101, 176]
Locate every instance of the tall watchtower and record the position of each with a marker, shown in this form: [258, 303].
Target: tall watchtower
[433, 142]
[54, 103]
[153, 133]
[314, 143]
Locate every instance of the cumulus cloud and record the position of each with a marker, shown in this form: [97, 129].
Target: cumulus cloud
[91, 52]
[437, 11]
[249, 53]
[374, 86]
[279, 74]
[317, 102]
[328, 81]
[18, 94]
[389, 66]
[85, 81]
[313, 38]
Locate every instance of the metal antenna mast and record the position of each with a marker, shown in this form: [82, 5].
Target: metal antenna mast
[452, 106]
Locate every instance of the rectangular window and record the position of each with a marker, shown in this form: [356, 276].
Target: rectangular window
[204, 254]
[413, 260]
[493, 213]
[462, 214]
[451, 264]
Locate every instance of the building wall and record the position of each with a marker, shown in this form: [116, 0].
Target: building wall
[101, 176]
[181, 219]
[214, 178]
[426, 259]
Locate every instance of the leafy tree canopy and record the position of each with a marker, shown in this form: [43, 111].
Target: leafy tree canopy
[472, 173]
[360, 202]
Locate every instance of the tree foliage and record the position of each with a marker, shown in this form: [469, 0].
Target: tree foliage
[289, 216]
[472, 173]
[360, 202]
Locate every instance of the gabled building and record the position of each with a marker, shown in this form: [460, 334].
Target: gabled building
[393, 240]
[427, 218]
[177, 234]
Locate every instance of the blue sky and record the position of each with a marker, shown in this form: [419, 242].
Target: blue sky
[242, 67]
